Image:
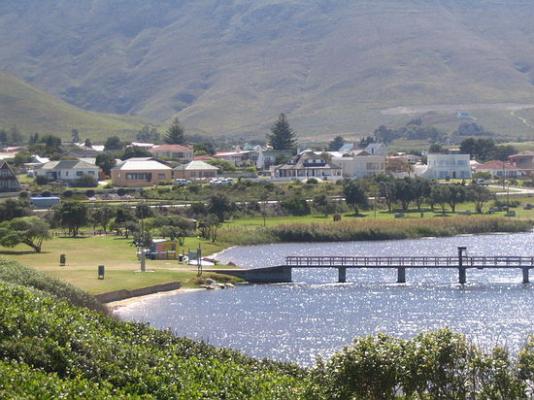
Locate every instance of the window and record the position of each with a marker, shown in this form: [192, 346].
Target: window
[161, 176]
[91, 173]
[139, 176]
[79, 173]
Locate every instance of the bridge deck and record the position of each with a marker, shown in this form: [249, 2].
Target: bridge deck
[409, 262]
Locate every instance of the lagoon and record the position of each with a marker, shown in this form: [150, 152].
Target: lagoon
[317, 316]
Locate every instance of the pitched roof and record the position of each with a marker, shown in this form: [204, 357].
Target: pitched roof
[523, 154]
[171, 147]
[496, 165]
[133, 164]
[68, 164]
[196, 165]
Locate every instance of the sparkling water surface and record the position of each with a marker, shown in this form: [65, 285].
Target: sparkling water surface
[316, 316]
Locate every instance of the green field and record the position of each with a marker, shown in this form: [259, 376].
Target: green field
[119, 257]
[32, 110]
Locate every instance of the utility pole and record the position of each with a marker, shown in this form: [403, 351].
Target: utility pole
[142, 244]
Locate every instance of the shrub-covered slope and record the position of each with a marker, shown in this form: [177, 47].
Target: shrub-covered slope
[51, 346]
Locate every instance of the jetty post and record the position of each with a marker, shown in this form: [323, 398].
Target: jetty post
[342, 274]
[525, 275]
[401, 275]
[461, 269]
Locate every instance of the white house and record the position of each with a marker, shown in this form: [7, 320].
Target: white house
[448, 166]
[307, 165]
[67, 170]
[359, 164]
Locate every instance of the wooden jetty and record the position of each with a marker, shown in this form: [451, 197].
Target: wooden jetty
[462, 263]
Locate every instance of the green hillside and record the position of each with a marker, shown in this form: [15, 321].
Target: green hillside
[230, 66]
[32, 110]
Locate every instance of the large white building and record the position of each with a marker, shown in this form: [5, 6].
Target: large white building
[359, 164]
[448, 166]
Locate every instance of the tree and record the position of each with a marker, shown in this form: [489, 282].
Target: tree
[336, 144]
[282, 137]
[208, 227]
[125, 219]
[421, 189]
[31, 231]
[457, 194]
[479, 195]
[322, 203]
[221, 206]
[22, 157]
[10, 209]
[14, 136]
[72, 215]
[148, 135]
[440, 195]
[113, 143]
[437, 148]
[106, 162]
[175, 133]
[388, 190]
[296, 205]
[405, 192]
[86, 181]
[355, 195]
[75, 136]
[48, 145]
[134, 151]
[366, 141]
[102, 216]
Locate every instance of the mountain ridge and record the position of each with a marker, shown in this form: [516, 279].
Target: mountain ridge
[229, 67]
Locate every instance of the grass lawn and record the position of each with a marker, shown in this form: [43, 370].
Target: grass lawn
[85, 254]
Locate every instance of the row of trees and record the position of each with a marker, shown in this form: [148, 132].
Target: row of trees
[418, 191]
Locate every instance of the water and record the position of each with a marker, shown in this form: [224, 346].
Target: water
[316, 316]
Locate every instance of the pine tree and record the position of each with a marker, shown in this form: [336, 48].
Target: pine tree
[282, 137]
[336, 144]
[175, 133]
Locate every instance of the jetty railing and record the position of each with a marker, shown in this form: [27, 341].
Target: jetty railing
[410, 262]
[462, 262]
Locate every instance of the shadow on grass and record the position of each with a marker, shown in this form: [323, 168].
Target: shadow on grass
[20, 252]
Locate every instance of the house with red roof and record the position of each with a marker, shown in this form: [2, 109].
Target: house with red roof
[499, 169]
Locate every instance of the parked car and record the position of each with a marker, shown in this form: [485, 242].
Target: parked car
[182, 182]
[221, 181]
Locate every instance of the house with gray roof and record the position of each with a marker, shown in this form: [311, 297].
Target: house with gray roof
[67, 171]
[308, 165]
[194, 170]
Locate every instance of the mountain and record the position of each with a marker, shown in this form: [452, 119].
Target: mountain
[32, 110]
[230, 66]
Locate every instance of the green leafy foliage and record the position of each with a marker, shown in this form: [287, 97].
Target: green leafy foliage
[31, 231]
[76, 347]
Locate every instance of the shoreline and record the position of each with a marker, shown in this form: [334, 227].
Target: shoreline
[115, 305]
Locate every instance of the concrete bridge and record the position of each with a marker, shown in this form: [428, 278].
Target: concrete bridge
[462, 263]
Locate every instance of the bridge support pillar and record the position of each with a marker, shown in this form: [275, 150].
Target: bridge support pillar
[525, 275]
[401, 275]
[462, 276]
[342, 274]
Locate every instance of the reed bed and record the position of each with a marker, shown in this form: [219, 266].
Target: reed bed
[369, 229]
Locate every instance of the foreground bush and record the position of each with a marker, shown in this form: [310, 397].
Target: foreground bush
[436, 365]
[51, 349]
[86, 351]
